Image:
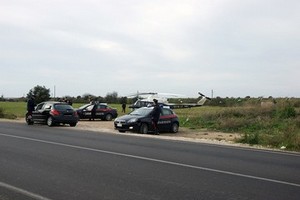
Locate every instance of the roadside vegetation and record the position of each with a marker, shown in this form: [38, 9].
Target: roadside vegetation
[265, 123]
[268, 122]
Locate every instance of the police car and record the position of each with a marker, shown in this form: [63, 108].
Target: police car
[103, 111]
[140, 121]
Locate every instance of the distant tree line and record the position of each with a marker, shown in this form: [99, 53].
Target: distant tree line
[41, 93]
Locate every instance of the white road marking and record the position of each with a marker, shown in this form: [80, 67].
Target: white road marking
[23, 192]
[155, 160]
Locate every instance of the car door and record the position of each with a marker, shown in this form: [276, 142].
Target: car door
[37, 113]
[87, 112]
[101, 111]
[45, 111]
[165, 119]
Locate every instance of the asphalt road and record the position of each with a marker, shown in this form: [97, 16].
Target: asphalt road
[40, 162]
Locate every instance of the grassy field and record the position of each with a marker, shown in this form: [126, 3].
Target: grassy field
[273, 126]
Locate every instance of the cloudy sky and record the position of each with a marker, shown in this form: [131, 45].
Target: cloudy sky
[236, 48]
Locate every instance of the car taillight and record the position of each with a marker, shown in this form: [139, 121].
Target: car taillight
[54, 112]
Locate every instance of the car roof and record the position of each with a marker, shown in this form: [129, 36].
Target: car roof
[151, 107]
[54, 102]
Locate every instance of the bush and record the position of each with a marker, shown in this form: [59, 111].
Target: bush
[287, 112]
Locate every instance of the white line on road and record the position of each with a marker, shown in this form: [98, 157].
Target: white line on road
[23, 192]
[154, 160]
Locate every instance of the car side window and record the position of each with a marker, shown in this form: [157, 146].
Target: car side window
[47, 106]
[165, 112]
[89, 108]
[102, 106]
[39, 106]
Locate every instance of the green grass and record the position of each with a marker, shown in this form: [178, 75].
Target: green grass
[12, 110]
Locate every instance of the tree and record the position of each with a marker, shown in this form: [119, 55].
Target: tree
[40, 93]
[112, 97]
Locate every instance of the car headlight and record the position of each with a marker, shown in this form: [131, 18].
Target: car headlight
[132, 120]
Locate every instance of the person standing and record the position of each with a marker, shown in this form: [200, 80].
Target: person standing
[30, 105]
[30, 109]
[123, 107]
[155, 114]
[93, 113]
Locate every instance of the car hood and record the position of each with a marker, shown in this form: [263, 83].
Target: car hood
[128, 117]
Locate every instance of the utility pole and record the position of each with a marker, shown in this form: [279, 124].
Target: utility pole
[212, 93]
[54, 91]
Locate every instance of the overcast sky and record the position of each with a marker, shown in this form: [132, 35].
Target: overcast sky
[236, 48]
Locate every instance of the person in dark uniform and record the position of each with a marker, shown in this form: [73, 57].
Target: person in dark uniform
[123, 107]
[155, 114]
[30, 105]
[93, 114]
[30, 109]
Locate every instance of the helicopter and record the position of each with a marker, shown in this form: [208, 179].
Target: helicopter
[146, 100]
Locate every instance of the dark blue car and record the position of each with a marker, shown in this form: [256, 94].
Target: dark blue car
[140, 121]
[51, 113]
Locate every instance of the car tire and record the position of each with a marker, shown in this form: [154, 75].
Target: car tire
[73, 124]
[108, 117]
[122, 131]
[144, 128]
[29, 120]
[174, 128]
[50, 121]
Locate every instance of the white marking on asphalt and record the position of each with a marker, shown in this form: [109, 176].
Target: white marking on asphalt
[155, 160]
[23, 192]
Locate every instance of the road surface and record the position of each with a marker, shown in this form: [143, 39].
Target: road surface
[41, 162]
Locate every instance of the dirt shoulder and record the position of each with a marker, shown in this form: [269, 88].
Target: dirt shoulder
[184, 134]
[104, 126]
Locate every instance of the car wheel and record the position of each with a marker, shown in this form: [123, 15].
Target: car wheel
[29, 119]
[73, 124]
[144, 128]
[122, 131]
[50, 121]
[108, 117]
[174, 128]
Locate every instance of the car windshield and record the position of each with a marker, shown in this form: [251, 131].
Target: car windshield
[62, 107]
[141, 111]
[82, 107]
